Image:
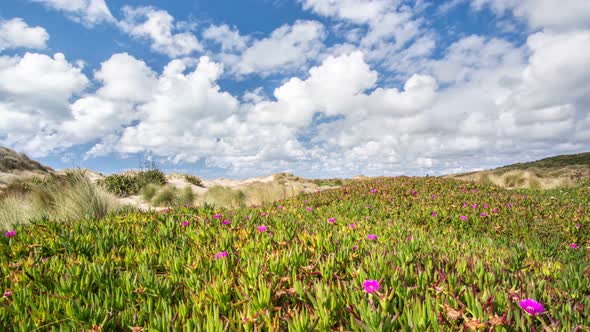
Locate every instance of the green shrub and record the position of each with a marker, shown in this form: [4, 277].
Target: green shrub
[148, 192]
[128, 184]
[186, 197]
[166, 197]
[193, 180]
[225, 196]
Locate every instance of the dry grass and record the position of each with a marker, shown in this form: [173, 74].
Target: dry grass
[69, 197]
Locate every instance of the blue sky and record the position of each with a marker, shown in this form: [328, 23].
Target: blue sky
[321, 88]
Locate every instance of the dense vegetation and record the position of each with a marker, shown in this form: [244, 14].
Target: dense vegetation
[382, 255]
[132, 183]
[580, 159]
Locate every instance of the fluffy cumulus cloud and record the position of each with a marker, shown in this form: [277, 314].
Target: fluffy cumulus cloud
[543, 13]
[87, 12]
[387, 31]
[359, 90]
[16, 33]
[288, 48]
[158, 27]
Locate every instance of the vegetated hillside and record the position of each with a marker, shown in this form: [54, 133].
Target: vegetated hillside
[388, 254]
[554, 172]
[12, 161]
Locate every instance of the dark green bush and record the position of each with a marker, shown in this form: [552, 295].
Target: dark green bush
[128, 184]
[193, 180]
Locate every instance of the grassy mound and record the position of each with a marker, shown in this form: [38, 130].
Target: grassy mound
[445, 255]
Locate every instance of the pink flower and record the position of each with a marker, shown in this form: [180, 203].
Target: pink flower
[7, 293]
[10, 234]
[483, 214]
[495, 210]
[355, 248]
[371, 286]
[372, 237]
[463, 218]
[308, 208]
[573, 246]
[433, 196]
[263, 214]
[464, 204]
[508, 205]
[221, 255]
[373, 191]
[531, 307]
[332, 220]
[485, 206]
[474, 206]
[352, 225]
[186, 223]
[577, 225]
[433, 214]
[281, 207]
[217, 216]
[226, 222]
[262, 229]
[410, 238]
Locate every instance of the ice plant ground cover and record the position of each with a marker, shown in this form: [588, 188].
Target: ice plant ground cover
[434, 271]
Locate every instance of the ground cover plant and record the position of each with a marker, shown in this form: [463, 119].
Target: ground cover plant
[388, 254]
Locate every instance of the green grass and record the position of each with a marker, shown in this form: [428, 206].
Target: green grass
[193, 180]
[128, 184]
[436, 273]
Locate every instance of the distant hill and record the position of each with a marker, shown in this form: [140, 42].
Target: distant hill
[552, 172]
[14, 162]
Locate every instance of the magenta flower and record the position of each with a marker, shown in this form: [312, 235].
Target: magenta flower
[373, 191]
[332, 220]
[433, 196]
[531, 307]
[485, 206]
[495, 210]
[308, 208]
[577, 225]
[410, 238]
[186, 223]
[221, 255]
[372, 237]
[7, 293]
[281, 207]
[264, 214]
[10, 234]
[508, 205]
[305, 202]
[352, 225]
[226, 222]
[464, 204]
[463, 218]
[262, 229]
[474, 206]
[355, 248]
[483, 214]
[433, 214]
[371, 286]
[217, 216]
[573, 246]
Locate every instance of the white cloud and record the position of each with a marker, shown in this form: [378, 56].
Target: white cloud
[357, 11]
[229, 38]
[288, 48]
[125, 78]
[15, 33]
[158, 27]
[560, 15]
[87, 12]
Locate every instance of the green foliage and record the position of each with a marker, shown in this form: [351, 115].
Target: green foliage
[131, 183]
[193, 180]
[186, 196]
[328, 182]
[148, 192]
[158, 272]
[167, 196]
